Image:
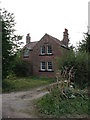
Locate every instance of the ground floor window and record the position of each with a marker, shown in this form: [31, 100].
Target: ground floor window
[46, 66]
[42, 66]
[49, 66]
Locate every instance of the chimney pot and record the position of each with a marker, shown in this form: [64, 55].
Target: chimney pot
[66, 30]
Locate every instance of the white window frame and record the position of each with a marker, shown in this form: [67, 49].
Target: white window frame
[48, 66]
[41, 49]
[41, 66]
[48, 49]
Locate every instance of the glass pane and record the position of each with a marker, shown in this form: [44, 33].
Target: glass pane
[49, 49]
[49, 65]
[26, 52]
[42, 65]
[42, 49]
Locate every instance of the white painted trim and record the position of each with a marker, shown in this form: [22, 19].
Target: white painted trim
[47, 50]
[41, 67]
[47, 67]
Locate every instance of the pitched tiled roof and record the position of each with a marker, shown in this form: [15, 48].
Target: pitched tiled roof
[58, 41]
[30, 45]
[55, 39]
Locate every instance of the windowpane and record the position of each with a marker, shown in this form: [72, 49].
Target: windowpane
[49, 49]
[43, 50]
[49, 66]
[42, 65]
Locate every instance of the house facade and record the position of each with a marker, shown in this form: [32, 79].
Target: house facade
[41, 54]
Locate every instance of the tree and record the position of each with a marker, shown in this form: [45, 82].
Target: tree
[84, 45]
[10, 41]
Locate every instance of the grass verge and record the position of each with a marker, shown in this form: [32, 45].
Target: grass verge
[55, 105]
[25, 83]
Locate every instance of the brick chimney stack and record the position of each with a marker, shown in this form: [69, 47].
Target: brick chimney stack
[65, 37]
[28, 38]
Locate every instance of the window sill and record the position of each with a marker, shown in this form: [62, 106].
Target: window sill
[45, 54]
[45, 71]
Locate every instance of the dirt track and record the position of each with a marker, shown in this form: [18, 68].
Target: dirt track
[20, 104]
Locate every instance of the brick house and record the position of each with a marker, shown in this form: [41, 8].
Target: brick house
[41, 54]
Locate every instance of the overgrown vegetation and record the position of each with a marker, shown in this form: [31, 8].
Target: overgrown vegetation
[14, 83]
[20, 67]
[79, 62]
[57, 105]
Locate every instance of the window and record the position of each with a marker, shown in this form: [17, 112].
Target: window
[42, 50]
[42, 66]
[49, 66]
[26, 53]
[49, 49]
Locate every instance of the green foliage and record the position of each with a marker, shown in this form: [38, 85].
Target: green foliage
[24, 83]
[66, 59]
[79, 61]
[10, 41]
[81, 69]
[84, 45]
[57, 105]
[20, 67]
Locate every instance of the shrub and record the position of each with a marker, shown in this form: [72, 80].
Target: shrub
[56, 105]
[81, 69]
[79, 61]
[20, 68]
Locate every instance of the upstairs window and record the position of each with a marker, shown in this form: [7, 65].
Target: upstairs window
[49, 49]
[42, 50]
[49, 66]
[42, 66]
[26, 53]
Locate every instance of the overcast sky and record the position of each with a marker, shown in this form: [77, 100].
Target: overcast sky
[38, 17]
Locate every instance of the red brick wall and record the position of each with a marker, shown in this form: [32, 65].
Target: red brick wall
[37, 58]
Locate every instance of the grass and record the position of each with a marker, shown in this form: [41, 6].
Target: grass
[55, 105]
[24, 83]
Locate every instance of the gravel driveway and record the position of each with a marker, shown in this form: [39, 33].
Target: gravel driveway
[20, 104]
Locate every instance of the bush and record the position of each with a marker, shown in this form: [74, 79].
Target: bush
[20, 67]
[81, 69]
[79, 61]
[56, 105]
